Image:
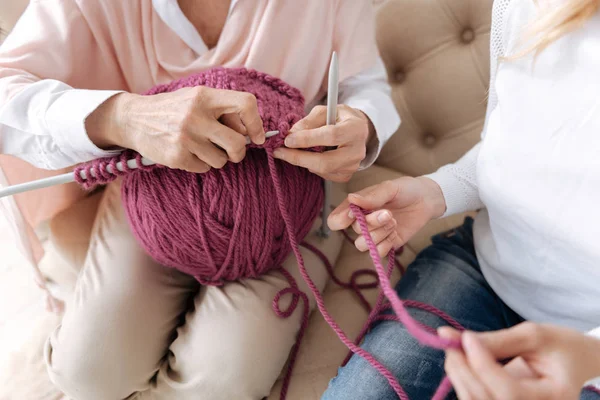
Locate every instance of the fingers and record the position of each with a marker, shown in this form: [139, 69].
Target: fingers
[209, 153]
[376, 196]
[234, 122]
[316, 118]
[519, 368]
[378, 235]
[329, 135]
[371, 198]
[512, 342]
[312, 132]
[375, 220]
[229, 140]
[464, 381]
[243, 104]
[319, 163]
[466, 385]
[487, 370]
[193, 164]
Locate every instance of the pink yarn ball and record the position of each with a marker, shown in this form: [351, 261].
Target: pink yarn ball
[225, 225]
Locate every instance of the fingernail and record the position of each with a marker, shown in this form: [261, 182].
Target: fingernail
[383, 217]
[290, 141]
[278, 154]
[350, 214]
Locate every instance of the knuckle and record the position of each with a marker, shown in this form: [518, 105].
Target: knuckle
[221, 162]
[249, 101]
[203, 167]
[186, 123]
[177, 157]
[531, 332]
[319, 110]
[237, 155]
[200, 95]
[391, 238]
[345, 178]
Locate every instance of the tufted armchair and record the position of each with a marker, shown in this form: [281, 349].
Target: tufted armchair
[437, 57]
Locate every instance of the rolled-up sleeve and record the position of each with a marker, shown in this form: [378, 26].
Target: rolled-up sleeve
[370, 93]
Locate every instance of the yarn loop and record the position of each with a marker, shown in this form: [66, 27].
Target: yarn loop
[243, 220]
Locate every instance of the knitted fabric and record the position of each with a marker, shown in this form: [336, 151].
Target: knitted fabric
[223, 225]
[242, 221]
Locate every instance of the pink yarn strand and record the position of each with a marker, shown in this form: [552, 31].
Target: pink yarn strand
[425, 338]
[315, 291]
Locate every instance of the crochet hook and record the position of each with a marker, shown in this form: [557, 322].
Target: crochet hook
[332, 100]
[70, 177]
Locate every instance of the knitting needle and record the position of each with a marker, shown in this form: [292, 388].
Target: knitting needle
[70, 177]
[332, 99]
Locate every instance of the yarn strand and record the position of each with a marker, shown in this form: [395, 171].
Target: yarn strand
[315, 291]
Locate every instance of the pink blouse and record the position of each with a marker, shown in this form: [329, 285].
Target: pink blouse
[66, 57]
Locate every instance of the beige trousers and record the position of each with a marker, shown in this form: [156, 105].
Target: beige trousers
[138, 330]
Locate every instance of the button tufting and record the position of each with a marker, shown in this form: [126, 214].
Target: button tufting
[429, 140]
[467, 35]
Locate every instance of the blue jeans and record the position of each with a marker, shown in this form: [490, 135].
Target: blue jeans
[445, 275]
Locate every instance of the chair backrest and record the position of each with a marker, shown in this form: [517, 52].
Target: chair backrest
[437, 56]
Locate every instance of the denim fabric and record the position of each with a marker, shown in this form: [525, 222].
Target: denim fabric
[445, 275]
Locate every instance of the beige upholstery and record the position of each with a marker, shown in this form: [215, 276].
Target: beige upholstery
[437, 57]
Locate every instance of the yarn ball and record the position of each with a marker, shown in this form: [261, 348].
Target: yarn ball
[225, 224]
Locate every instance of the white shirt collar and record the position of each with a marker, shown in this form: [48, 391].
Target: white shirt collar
[171, 14]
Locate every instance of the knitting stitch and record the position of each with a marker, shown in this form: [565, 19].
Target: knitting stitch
[241, 221]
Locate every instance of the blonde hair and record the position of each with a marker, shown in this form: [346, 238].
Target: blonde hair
[557, 21]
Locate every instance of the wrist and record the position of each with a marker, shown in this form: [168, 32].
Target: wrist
[434, 197]
[371, 128]
[593, 356]
[106, 125]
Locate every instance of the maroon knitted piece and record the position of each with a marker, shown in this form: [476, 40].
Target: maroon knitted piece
[223, 225]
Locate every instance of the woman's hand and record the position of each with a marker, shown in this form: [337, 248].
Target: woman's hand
[350, 135]
[400, 209]
[180, 129]
[549, 362]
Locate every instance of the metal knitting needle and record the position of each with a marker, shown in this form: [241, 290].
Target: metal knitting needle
[70, 177]
[332, 100]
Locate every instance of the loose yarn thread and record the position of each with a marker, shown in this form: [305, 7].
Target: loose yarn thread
[157, 201]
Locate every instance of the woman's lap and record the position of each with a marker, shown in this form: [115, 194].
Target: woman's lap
[446, 275]
[123, 334]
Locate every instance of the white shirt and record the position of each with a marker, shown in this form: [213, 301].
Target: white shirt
[59, 139]
[537, 173]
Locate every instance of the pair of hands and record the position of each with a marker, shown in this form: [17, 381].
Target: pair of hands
[199, 128]
[547, 362]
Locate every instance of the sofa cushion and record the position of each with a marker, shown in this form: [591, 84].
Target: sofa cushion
[437, 56]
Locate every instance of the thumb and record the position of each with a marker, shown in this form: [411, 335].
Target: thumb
[375, 197]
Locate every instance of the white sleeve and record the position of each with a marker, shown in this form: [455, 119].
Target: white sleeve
[50, 51]
[44, 124]
[370, 93]
[458, 182]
